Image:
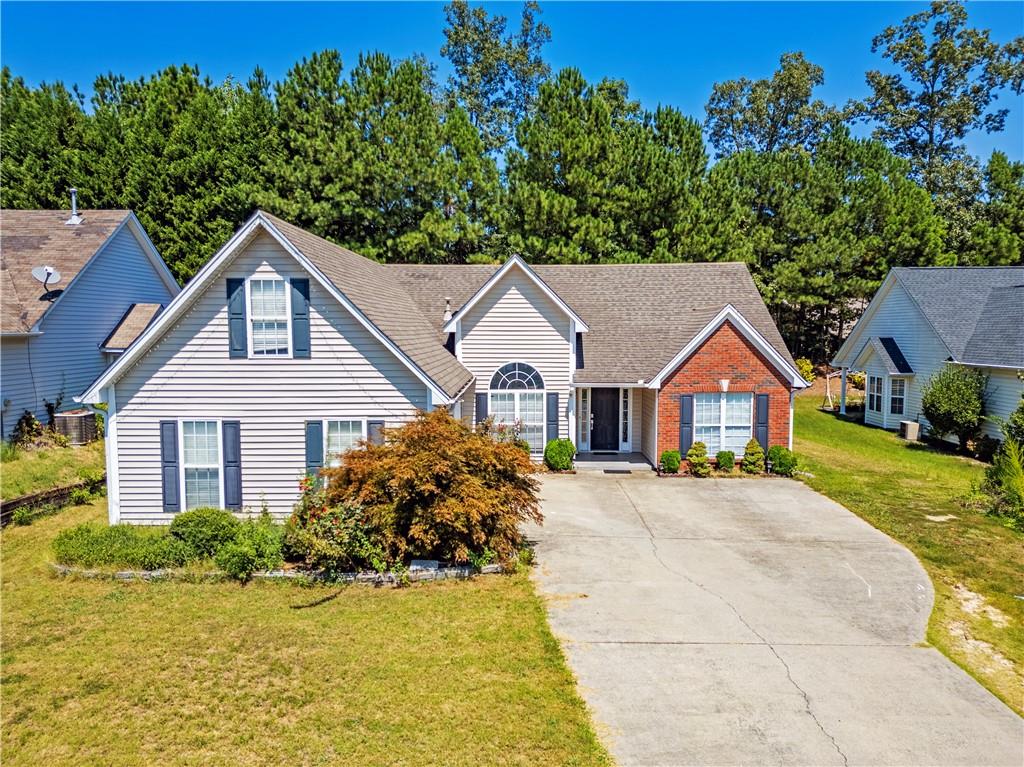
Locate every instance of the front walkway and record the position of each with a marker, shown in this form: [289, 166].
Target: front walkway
[752, 621]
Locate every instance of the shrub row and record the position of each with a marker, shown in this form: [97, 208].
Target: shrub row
[754, 460]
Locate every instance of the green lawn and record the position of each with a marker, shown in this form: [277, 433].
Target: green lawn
[97, 672]
[895, 486]
[31, 470]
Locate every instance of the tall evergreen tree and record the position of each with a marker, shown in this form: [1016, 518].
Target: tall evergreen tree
[997, 238]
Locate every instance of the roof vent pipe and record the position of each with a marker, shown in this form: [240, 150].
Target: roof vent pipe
[75, 218]
[447, 308]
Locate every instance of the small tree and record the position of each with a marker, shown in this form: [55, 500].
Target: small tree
[954, 402]
[697, 458]
[753, 458]
[1013, 429]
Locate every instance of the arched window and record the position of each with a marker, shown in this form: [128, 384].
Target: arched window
[515, 398]
[516, 375]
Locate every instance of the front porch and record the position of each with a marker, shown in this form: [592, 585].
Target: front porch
[615, 463]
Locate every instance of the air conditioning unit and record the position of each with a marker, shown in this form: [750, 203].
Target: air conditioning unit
[910, 430]
[79, 426]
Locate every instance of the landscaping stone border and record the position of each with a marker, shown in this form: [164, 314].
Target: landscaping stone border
[367, 578]
[56, 495]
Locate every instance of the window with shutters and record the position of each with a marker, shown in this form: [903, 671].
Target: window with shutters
[340, 437]
[723, 421]
[200, 452]
[516, 398]
[269, 317]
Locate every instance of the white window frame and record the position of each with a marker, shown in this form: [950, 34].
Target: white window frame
[516, 409]
[337, 419]
[220, 459]
[249, 315]
[902, 397]
[871, 393]
[625, 419]
[584, 422]
[723, 398]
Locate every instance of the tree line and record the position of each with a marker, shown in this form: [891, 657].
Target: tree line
[506, 156]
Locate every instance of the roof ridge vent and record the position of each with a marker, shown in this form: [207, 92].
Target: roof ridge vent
[75, 219]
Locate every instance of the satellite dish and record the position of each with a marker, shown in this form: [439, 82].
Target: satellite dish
[47, 275]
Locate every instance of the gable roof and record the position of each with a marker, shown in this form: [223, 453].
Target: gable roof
[358, 283]
[959, 304]
[890, 354]
[639, 315]
[31, 238]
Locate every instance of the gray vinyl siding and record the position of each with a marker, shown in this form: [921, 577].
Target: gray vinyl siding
[516, 322]
[649, 419]
[188, 375]
[66, 358]
[636, 420]
[897, 316]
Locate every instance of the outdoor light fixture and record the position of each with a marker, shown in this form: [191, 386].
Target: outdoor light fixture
[724, 384]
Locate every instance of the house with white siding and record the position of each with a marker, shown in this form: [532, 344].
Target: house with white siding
[58, 335]
[285, 350]
[923, 318]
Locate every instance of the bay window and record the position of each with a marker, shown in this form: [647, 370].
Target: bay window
[897, 396]
[875, 394]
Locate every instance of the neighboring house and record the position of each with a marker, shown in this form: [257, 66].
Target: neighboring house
[57, 338]
[285, 350]
[924, 318]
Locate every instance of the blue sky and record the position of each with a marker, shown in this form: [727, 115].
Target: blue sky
[668, 53]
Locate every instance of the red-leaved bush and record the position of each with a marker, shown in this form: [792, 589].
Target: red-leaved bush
[437, 489]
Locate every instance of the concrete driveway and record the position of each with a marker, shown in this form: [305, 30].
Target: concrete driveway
[726, 622]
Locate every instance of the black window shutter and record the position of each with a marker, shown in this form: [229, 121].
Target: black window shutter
[314, 447]
[579, 351]
[481, 406]
[762, 420]
[552, 415]
[300, 319]
[375, 432]
[232, 439]
[685, 424]
[237, 344]
[169, 466]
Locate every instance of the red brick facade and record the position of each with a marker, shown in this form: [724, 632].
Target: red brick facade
[726, 354]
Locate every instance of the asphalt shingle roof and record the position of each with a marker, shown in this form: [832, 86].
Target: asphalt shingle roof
[978, 312]
[891, 355]
[31, 238]
[130, 326]
[640, 315]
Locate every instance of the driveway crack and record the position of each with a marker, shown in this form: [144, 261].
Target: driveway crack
[739, 616]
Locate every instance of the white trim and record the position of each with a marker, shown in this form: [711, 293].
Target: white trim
[792, 398]
[893, 379]
[626, 419]
[458, 340]
[326, 421]
[200, 282]
[148, 249]
[110, 451]
[181, 458]
[730, 313]
[723, 402]
[517, 261]
[249, 316]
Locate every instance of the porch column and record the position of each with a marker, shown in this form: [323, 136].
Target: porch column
[842, 393]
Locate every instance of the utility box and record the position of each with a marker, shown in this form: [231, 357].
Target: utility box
[79, 426]
[910, 430]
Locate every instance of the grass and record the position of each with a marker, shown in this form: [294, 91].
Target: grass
[28, 471]
[98, 672]
[895, 486]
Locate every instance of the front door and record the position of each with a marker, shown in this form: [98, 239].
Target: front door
[604, 410]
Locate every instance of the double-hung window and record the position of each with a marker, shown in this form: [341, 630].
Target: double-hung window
[723, 421]
[897, 396]
[516, 398]
[341, 437]
[200, 441]
[875, 394]
[268, 310]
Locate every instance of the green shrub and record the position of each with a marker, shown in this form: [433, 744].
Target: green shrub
[9, 452]
[23, 515]
[783, 460]
[558, 454]
[954, 402]
[437, 489]
[1014, 426]
[753, 458]
[257, 546]
[726, 460]
[856, 380]
[1004, 483]
[697, 459]
[805, 368]
[91, 545]
[670, 460]
[94, 479]
[79, 497]
[334, 540]
[27, 430]
[205, 530]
